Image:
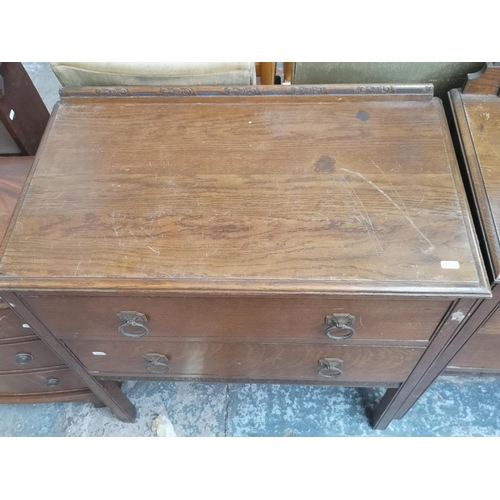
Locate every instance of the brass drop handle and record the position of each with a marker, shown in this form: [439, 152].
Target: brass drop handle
[156, 363]
[23, 358]
[339, 323]
[330, 367]
[133, 321]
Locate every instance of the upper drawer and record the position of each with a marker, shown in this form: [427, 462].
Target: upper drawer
[29, 355]
[240, 318]
[11, 326]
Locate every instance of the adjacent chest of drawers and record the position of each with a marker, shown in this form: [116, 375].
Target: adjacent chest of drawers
[300, 234]
[477, 121]
[30, 371]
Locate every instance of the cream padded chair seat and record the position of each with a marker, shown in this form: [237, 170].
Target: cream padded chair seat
[91, 74]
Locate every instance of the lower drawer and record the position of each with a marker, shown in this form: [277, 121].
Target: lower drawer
[42, 382]
[28, 355]
[250, 361]
[481, 353]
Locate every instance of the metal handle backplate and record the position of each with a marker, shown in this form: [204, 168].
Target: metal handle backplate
[133, 320]
[23, 358]
[156, 363]
[330, 367]
[52, 382]
[339, 323]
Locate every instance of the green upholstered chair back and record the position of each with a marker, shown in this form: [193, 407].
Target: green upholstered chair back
[443, 75]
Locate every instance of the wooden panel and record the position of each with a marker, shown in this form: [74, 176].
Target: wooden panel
[30, 118]
[233, 361]
[36, 383]
[13, 174]
[11, 326]
[43, 357]
[492, 326]
[247, 194]
[485, 81]
[481, 353]
[239, 318]
[73, 396]
[480, 131]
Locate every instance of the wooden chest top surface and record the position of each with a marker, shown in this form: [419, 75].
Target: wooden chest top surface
[478, 121]
[315, 193]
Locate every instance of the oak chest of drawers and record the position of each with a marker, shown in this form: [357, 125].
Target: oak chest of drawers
[293, 234]
[476, 113]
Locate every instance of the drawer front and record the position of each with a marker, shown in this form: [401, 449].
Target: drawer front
[239, 318]
[482, 352]
[215, 360]
[30, 355]
[46, 381]
[492, 326]
[12, 326]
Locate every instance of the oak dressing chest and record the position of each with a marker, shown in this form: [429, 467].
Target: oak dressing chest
[315, 234]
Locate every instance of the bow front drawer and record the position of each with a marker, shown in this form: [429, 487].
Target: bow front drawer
[29, 355]
[44, 381]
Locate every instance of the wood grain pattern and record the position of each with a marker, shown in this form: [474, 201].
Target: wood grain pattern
[233, 361]
[452, 333]
[34, 384]
[492, 326]
[108, 393]
[486, 81]
[13, 174]
[73, 396]
[83, 317]
[43, 357]
[272, 94]
[246, 196]
[11, 326]
[480, 354]
[482, 128]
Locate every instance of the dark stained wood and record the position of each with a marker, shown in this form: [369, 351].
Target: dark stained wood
[236, 219]
[480, 354]
[249, 318]
[485, 82]
[251, 196]
[11, 326]
[256, 361]
[478, 120]
[478, 317]
[76, 396]
[34, 383]
[476, 114]
[30, 114]
[13, 173]
[272, 94]
[110, 394]
[492, 327]
[43, 357]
